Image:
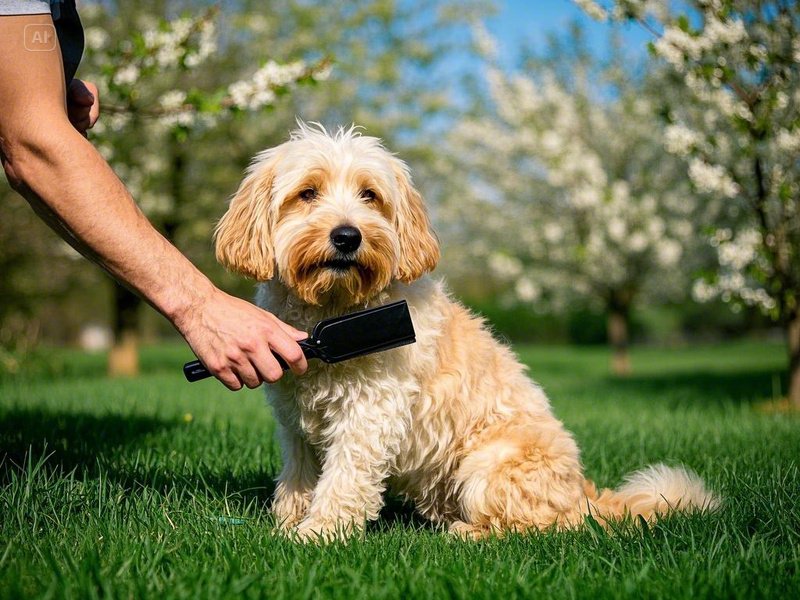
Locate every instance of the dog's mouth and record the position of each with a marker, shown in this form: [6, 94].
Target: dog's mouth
[339, 264]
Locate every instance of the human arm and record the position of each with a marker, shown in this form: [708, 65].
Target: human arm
[75, 191]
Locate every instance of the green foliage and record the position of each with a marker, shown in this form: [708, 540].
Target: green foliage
[519, 323]
[137, 488]
[654, 324]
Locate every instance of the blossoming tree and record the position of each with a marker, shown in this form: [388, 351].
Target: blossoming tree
[737, 125]
[570, 189]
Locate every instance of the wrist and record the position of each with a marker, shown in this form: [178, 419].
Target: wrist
[182, 305]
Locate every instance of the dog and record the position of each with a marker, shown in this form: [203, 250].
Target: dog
[329, 223]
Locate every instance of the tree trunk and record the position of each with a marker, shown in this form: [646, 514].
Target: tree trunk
[793, 342]
[618, 338]
[177, 188]
[123, 359]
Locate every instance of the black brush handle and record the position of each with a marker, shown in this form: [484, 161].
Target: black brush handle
[195, 371]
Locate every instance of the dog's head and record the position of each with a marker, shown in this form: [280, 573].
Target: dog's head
[331, 215]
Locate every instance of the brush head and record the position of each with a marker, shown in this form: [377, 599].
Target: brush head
[364, 332]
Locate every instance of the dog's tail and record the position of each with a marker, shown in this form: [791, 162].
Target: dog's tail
[650, 492]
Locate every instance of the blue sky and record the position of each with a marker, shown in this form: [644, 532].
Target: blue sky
[529, 21]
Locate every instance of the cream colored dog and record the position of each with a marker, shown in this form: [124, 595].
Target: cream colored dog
[331, 224]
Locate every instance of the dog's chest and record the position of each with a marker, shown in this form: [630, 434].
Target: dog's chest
[322, 398]
[330, 398]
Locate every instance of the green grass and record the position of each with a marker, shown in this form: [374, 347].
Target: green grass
[156, 488]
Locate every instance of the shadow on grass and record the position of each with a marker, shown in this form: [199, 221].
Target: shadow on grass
[72, 440]
[94, 444]
[704, 386]
[396, 511]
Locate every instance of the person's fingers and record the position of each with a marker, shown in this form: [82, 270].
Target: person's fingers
[230, 381]
[83, 106]
[94, 111]
[82, 125]
[79, 117]
[227, 377]
[79, 93]
[284, 345]
[267, 365]
[247, 374]
[92, 89]
[94, 114]
[293, 333]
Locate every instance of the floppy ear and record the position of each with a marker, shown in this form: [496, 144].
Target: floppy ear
[243, 236]
[419, 248]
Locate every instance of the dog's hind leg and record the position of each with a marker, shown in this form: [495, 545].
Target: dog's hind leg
[519, 477]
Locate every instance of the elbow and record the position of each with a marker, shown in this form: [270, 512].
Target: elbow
[26, 156]
[11, 156]
[19, 162]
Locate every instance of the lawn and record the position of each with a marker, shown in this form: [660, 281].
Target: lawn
[157, 488]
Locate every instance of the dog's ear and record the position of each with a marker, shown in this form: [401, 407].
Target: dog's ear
[243, 236]
[419, 248]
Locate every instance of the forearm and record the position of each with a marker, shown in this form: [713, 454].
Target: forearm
[70, 185]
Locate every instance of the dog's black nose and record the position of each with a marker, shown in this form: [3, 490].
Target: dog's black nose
[346, 238]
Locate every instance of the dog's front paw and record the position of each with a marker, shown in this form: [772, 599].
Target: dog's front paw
[290, 505]
[322, 531]
[287, 521]
[287, 517]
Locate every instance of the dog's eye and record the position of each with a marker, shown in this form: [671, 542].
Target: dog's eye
[308, 194]
[368, 195]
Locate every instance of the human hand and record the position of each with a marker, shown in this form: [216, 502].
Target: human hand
[83, 104]
[234, 340]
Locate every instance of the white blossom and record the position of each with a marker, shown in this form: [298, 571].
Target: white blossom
[674, 45]
[526, 290]
[504, 266]
[711, 179]
[617, 229]
[127, 75]
[172, 100]
[729, 31]
[637, 242]
[668, 252]
[553, 232]
[702, 291]
[788, 141]
[740, 251]
[117, 121]
[484, 41]
[680, 140]
[258, 91]
[95, 37]
[594, 10]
